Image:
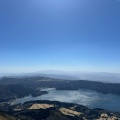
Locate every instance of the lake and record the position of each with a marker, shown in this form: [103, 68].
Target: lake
[87, 98]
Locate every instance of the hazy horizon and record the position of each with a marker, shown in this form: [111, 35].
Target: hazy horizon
[70, 75]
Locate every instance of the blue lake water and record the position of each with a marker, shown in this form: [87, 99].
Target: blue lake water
[88, 98]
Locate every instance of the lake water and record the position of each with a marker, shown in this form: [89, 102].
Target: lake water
[88, 98]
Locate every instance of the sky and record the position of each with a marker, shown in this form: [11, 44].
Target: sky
[70, 35]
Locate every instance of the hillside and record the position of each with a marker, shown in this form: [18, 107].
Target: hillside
[44, 82]
[52, 110]
[12, 91]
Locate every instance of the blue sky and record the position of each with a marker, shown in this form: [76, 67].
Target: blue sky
[75, 35]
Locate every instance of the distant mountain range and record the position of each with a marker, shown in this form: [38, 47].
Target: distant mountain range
[72, 75]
